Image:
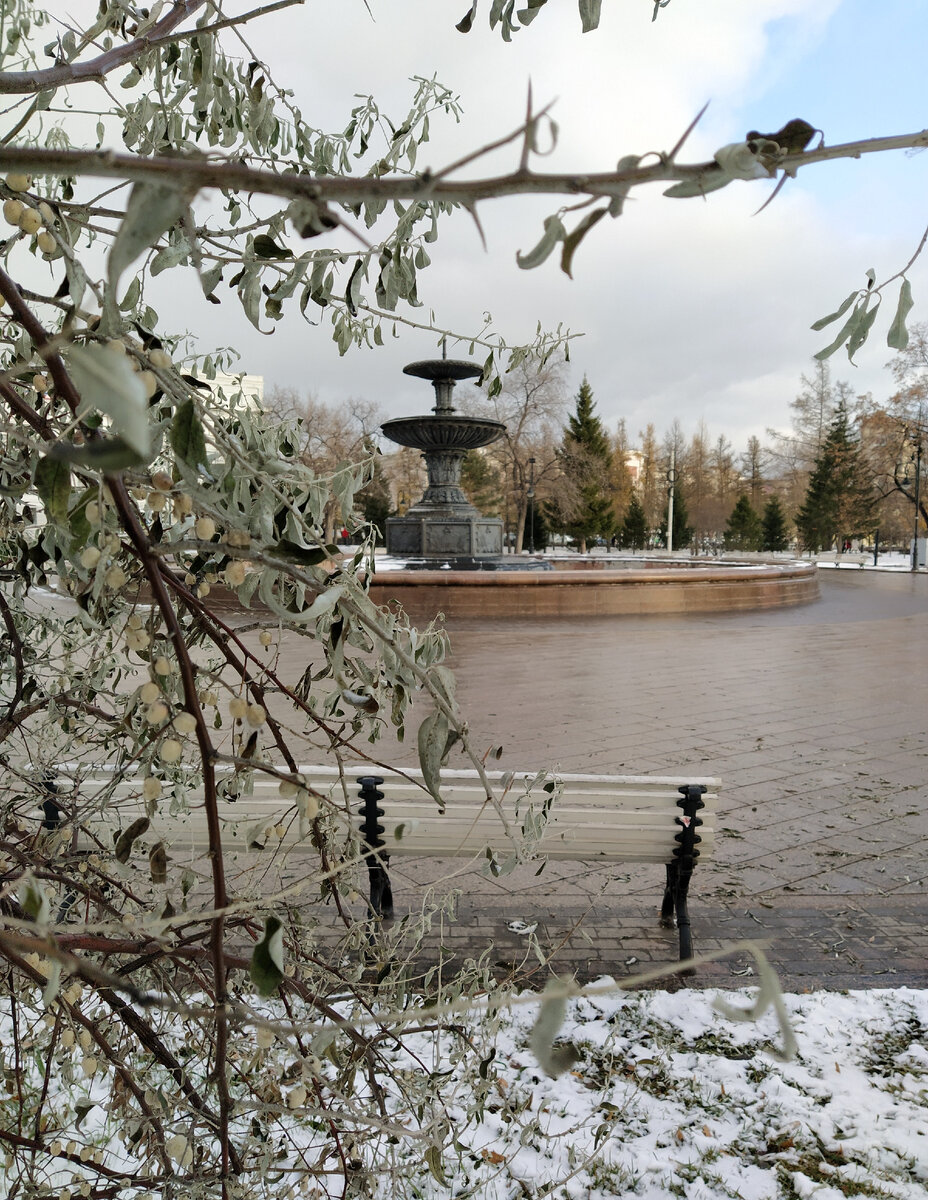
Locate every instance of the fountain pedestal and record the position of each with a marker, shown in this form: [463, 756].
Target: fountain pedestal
[444, 524]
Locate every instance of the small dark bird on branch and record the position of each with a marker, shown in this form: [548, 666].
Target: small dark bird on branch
[793, 137]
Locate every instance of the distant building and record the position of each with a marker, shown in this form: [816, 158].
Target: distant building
[250, 386]
[634, 460]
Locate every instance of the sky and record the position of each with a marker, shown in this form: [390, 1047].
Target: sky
[695, 310]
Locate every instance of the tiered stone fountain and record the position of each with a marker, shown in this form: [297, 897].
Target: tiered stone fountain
[444, 524]
[452, 556]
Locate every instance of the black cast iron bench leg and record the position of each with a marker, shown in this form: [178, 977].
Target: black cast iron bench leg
[681, 870]
[381, 893]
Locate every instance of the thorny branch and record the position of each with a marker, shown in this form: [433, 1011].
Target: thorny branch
[427, 186]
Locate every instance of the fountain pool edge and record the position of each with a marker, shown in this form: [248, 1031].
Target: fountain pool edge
[509, 594]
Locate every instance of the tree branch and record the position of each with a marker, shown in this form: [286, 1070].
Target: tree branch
[20, 83]
[348, 189]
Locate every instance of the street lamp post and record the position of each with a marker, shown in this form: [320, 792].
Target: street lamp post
[530, 495]
[918, 478]
[671, 481]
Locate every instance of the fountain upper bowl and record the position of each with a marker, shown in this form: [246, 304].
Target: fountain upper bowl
[445, 432]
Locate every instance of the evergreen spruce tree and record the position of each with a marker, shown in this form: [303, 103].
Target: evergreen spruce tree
[743, 531]
[774, 526]
[582, 507]
[634, 531]
[374, 499]
[839, 500]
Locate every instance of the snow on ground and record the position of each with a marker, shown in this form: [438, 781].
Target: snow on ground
[665, 1096]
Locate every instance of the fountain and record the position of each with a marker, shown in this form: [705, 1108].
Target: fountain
[444, 524]
[450, 556]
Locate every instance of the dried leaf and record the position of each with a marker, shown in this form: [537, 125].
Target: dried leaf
[128, 836]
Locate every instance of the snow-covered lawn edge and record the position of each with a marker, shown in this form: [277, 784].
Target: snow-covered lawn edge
[664, 1096]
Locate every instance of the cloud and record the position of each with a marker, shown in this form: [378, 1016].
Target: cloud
[690, 309]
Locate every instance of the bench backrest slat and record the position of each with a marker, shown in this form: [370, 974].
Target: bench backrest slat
[615, 818]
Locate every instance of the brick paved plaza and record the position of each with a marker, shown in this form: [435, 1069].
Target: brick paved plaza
[815, 720]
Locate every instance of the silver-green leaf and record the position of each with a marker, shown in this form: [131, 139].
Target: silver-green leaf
[551, 1012]
[846, 330]
[590, 13]
[898, 336]
[554, 233]
[267, 958]
[839, 312]
[106, 382]
[433, 743]
[152, 210]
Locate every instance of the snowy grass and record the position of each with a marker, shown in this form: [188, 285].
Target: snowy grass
[665, 1097]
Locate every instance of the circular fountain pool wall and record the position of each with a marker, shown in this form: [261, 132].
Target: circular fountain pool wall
[685, 586]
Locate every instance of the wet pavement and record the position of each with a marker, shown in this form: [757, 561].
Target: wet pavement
[815, 720]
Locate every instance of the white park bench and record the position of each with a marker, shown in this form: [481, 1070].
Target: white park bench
[847, 558]
[585, 818]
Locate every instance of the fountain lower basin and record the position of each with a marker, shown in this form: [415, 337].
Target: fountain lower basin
[578, 590]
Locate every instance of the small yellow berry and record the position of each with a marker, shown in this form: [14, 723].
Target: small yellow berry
[157, 501]
[47, 213]
[151, 788]
[255, 715]
[238, 707]
[40, 383]
[296, 1097]
[160, 359]
[149, 382]
[67, 1040]
[162, 481]
[115, 577]
[92, 512]
[170, 750]
[183, 505]
[307, 805]
[149, 692]
[157, 713]
[30, 222]
[203, 591]
[162, 666]
[18, 181]
[205, 528]
[185, 722]
[179, 1149]
[90, 556]
[264, 1038]
[46, 242]
[85, 1039]
[115, 346]
[265, 637]
[12, 211]
[235, 574]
